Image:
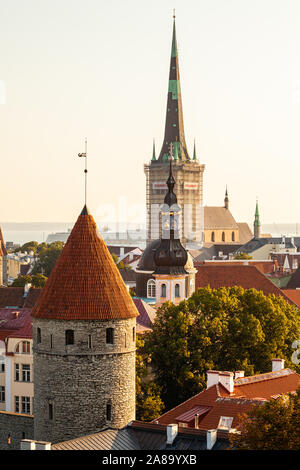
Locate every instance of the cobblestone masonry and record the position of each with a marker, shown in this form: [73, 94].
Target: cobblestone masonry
[17, 427]
[79, 380]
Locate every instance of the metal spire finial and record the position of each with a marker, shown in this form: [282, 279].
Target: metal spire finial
[85, 171]
[174, 15]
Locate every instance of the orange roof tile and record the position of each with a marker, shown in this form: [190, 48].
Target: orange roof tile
[248, 277]
[248, 391]
[85, 283]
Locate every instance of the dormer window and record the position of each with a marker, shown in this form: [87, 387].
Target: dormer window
[225, 422]
[23, 347]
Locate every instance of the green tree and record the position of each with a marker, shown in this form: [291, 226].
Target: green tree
[48, 255]
[148, 402]
[223, 329]
[28, 246]
[275, 425]
[242, 256]
[39, 280]
[21, 281]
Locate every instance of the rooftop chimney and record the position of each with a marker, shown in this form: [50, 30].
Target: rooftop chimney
[26, 289]
[226, 379]
[239, 374]
[212, 378]
[28, 444]
[211, 437]
[277, 364]
[172, 430]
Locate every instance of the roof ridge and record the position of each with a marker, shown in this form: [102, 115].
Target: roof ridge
[264, 376]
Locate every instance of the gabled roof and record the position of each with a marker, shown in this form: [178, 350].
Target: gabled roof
[248, 277]
[11, 297]
[85, 283]
[218, 218]
[146, 313]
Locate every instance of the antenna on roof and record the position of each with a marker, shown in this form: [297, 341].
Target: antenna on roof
[85, 171]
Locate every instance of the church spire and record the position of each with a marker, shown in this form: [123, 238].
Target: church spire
[153, 152]
[256, 222]
[226, 200]
[174, 129]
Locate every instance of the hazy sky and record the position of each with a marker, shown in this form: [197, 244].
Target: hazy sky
[76, 68]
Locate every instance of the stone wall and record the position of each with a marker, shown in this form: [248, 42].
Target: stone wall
[75, 383]
[17, 427]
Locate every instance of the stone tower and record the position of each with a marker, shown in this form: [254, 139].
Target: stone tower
[187, 172]
[256, 225]
[84, 327]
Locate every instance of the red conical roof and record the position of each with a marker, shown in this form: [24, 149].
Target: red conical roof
[85, 283]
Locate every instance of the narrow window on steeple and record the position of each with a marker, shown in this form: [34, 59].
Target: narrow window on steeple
[163, 290]
[177, 290]
[69, 337]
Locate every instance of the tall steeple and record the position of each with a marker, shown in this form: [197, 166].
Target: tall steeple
[170, 256]
[174, 129]
[256, 222]
[226, 199]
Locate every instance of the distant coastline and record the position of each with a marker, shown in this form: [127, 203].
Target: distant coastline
[22, 232]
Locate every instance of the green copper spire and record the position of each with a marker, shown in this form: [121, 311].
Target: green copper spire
[153, 152]
[194, 154]
[176, 144]
[174, 129]
[256, 222]
[256, 219]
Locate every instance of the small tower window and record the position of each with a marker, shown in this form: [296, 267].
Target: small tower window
[177, 290]
[108, 412]
[51, 341]
[69, 337]
[151, 291]
[223, 236]
[38, 335]
[109, 335]
[90, 341]
[133, 333]
[50, 411]
[233, 236]
[212, 236]
[163, 290]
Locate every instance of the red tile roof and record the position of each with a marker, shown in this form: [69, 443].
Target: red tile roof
[293, 294]
[15, 323]
[248, 277]
[146, 314]
[85, 283]
[11, 297]
[248, 391]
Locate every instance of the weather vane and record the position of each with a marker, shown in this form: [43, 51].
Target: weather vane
[85, 170]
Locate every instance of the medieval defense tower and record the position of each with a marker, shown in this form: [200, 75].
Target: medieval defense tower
[84, 327]
[187, 172]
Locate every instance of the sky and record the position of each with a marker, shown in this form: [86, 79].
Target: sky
[71, 69]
